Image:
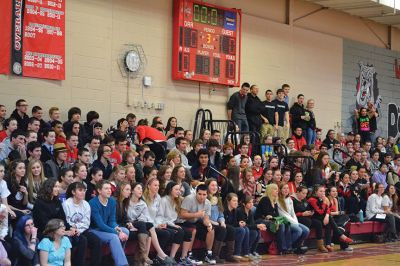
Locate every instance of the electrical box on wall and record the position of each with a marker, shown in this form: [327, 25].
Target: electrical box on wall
[147, 81]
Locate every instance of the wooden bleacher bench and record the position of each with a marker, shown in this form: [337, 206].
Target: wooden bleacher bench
[367, 227]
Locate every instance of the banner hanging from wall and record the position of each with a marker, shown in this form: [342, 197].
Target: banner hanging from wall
[38, 44]
[5, 35]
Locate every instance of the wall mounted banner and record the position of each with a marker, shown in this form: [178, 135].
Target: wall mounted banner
[5, 35]
[38, 48]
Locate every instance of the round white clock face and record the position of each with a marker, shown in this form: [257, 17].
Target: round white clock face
[132, 61]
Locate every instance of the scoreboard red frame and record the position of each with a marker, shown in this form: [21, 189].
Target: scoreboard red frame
[206, 43]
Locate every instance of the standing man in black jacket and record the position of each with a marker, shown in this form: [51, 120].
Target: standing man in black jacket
[253, 109]
[299, 117]
[236, 107]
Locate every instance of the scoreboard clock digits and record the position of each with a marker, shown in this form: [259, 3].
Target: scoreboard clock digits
[206, 15]
[206, 43]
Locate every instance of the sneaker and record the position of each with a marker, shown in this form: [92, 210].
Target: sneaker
[168, 261]
[209, 258]
[255, 254]
[183, 262]
[348, 249]
[193, 261]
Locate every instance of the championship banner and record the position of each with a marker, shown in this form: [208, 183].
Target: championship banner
[39, 39]
[5, 35]
[17, 16]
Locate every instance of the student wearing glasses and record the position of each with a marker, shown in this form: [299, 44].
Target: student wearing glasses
[24, 242]
[55, 248]
[103, 161]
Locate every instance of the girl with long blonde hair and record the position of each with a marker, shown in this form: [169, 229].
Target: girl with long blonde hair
[35, 179]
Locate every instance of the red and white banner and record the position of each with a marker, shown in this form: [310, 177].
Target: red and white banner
[38, 38]
[5, 35]
[44, 39]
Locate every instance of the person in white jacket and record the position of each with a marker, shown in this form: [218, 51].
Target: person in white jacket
[299, 232]
[375, 212]
[138, 215]
[77, 214]
[167, 215]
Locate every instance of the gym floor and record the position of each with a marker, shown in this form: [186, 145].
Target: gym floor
[363, 254]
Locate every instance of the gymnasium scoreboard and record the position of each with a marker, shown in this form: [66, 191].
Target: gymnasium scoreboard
[206, 43]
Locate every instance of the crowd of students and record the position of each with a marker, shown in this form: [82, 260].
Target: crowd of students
[69, 188]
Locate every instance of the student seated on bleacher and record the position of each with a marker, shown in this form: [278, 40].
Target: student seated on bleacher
[195, 214]
[375, 212]
[104, 225]
[322, 211]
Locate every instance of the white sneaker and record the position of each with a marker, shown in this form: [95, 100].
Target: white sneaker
[193, 260]
[209, 258]
[348, 249]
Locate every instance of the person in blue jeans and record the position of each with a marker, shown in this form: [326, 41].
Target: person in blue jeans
[267, 211]
[298, 231]
[245, 214]
[104, 224]
[311, 133]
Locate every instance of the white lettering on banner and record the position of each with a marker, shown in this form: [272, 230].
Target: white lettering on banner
[227, 32]
[209, 30]
[217, 55]
[230, 57]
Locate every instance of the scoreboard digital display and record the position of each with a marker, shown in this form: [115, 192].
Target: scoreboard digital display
[206, 43]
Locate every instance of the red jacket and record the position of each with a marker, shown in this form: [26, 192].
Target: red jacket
[299, 142]
[320, 208]
[151, 133]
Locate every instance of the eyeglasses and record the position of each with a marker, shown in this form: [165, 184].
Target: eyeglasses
[107, 150]
[30, 225]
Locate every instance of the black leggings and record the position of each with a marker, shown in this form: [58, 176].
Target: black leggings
[80, 244]
[142, 227]
[312, 222]
[179, 235]
[332, 229]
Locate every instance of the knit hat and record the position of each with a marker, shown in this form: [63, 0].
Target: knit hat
[59, 147]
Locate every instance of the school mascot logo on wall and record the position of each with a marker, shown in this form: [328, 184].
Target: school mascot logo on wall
[367, 91]
[367, 87]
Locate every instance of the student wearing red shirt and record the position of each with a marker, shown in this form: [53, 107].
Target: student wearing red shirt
[120, 147]
[10, 125]
[72, 147]
[257, 167]
[299, 140]
[144, 131]
[58, 129]
[322, 211]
